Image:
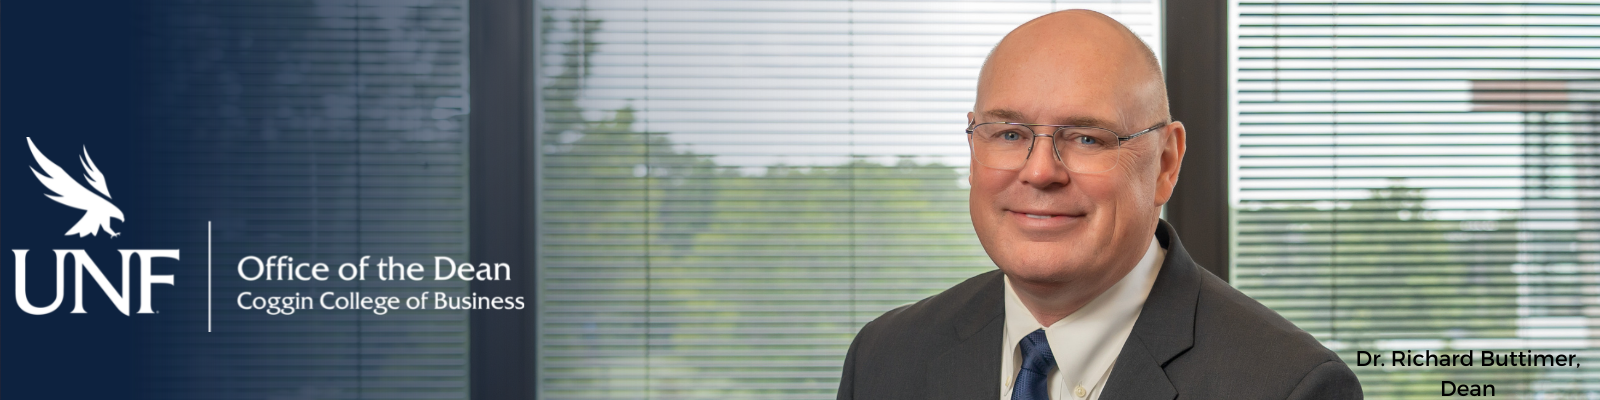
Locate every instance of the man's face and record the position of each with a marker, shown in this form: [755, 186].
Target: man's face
[1043, 223]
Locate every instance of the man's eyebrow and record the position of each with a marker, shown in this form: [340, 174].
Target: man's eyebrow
[1001, 114]
[1006, 115]
[1087, 121]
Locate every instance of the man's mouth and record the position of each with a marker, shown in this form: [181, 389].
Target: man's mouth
[1046, 222]
[1045, 215]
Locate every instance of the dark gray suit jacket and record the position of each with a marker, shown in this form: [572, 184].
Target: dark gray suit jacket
[1196, 338]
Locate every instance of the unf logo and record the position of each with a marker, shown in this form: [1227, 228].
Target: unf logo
[98, 212]
[82, 262]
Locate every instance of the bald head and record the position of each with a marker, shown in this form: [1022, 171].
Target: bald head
[1088, 54]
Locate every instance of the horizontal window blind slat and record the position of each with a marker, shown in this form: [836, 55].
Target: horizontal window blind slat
[323, 131]
[1426, 171]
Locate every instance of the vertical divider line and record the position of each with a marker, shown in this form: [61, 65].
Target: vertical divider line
[208, 277]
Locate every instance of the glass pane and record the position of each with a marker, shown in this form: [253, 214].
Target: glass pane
[1417, 177]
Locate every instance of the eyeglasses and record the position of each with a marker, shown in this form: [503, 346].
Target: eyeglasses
[1083, 149]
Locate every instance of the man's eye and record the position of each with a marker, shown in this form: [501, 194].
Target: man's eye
[1087, 140]
[1010, 136]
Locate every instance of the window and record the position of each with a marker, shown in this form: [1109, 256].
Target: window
[1423, 176]
[324, 132]
[730, 189]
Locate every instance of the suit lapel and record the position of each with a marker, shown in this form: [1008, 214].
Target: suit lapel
[1164, 330]
[1137, 375]
[971, 368]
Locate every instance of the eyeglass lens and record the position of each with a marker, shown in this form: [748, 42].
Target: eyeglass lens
[1081, 149]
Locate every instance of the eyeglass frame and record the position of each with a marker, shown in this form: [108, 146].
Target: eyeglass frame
[973, 125]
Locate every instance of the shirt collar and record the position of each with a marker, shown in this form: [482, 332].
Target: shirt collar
[1087, 342]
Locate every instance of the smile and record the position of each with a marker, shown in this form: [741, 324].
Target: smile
[1041, 219]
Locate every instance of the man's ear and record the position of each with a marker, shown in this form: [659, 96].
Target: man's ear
[1173, 144]
[970, 163]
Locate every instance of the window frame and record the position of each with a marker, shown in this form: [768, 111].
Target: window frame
[501, 182]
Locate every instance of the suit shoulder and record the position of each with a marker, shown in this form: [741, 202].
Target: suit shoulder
[891, 355]
[1237, 336]
[1244, 350]
[1227, 318]
[937, 310]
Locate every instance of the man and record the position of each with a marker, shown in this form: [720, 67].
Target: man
[1095, 297]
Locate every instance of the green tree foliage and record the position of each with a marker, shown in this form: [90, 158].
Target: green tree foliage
[743, 285]
[1382, 273]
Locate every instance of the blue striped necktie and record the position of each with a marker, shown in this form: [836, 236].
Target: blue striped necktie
[1033, 381]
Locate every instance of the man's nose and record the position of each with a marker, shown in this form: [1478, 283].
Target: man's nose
[1043, 169]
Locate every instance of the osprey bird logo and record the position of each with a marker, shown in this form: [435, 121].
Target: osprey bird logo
[98, 211]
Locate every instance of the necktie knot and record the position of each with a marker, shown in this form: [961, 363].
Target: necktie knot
[1037, 361]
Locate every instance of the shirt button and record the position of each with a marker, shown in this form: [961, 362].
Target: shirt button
[1079, 391]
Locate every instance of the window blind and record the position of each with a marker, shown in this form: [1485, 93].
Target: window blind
[730, 189]
[323, 131]
[1423, 176]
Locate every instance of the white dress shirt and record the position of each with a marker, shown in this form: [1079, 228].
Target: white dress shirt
[1086, 343]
